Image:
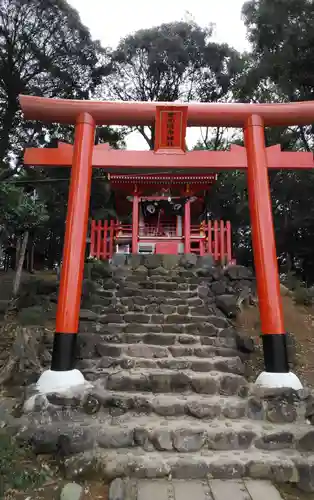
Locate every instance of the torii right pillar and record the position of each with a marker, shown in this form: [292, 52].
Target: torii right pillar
[274, 337]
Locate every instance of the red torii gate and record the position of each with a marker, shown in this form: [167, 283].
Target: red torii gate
[170, 124]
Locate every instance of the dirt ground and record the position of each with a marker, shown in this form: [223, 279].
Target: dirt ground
[299, 320]
[51, 491]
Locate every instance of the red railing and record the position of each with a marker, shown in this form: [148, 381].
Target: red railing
[219, 240]
[164, 229]
[102, 239]
[213, 238]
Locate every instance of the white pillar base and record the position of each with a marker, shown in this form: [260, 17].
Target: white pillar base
[279, 380]
[54, 381]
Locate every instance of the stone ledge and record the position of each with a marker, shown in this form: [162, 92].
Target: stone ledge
[256, 403]
[274, 466]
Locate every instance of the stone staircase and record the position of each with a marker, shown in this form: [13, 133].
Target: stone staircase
[168, 395]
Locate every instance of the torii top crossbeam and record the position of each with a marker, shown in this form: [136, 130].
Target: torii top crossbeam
[143, 113]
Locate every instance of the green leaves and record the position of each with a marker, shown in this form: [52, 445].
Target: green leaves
[19, 211]
[44, 50]
[170, 62]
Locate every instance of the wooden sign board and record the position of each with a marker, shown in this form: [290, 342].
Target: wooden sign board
[170, 129]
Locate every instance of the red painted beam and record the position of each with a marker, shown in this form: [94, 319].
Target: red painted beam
[144, 113]
[120, 160]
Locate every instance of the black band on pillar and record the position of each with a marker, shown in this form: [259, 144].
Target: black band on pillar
[63, 353]
[275, 353]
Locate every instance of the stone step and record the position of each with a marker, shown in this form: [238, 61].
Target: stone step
[194, 405]
[188, 280]
[182, 435]
[222, 364]
[277, 466]
[150, 351]
[147, 301]
[154, 284]
[141, 318]
[163, 314]
[165, 380]
[159, 338]
[202, 329]
[153, 308]
[164, 294]
[177, 277]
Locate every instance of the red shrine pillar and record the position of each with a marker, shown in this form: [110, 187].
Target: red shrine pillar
[265, 258]
[187, 224]
[69, 299]
[135, 221]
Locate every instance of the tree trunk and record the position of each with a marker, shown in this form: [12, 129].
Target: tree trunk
[30, 254]
[17, 252]
[19, 267]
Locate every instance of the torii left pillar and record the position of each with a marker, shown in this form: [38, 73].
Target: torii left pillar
[62, 373]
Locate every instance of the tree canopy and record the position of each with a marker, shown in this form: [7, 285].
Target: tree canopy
[45, 51]
[171, 62]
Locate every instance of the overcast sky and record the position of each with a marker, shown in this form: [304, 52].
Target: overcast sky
[108, 21]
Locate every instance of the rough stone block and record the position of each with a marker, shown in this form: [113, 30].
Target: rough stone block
[235, 411]
[188, 261]
[205, 385]
[122, 381]
[72, 491]
[228, 470]
[134, 260]
[117, 489]
[142, 328]
[306, 442]
[244, 343]
[230, 440]
[203, 291]
[170, 261]
[87, 315]
[218, 288]
[174, 364]
[281, 411]
[108, 350]
[115, 437]
[111, 318]
[152, 261]
[178, 351]
[255, 408]
[172, 328]
[306, 477]
[201, 409]
[232, 385]
[168, 407]
[228, 305]
[275, 441]
[167, 309]
[187, 440]
[159, 339]
[162, 440]
[160, 382]
[201, 328]
[189, 339]
[136, 318]
[182, 468]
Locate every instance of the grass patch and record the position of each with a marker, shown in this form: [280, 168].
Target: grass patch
[19, 468]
